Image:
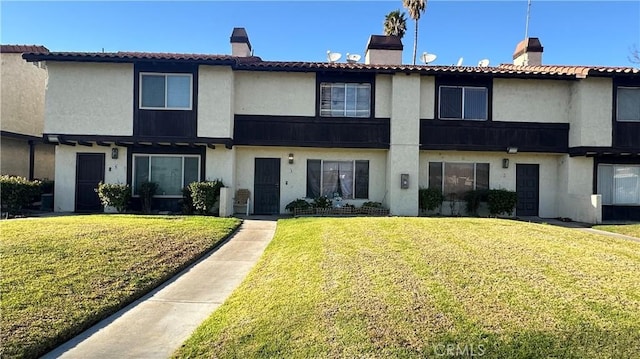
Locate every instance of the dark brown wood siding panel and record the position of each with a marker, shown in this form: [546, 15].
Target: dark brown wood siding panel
[493, 136]
[627, 135]
[311, 131]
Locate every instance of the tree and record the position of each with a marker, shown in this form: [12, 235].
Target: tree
[634, 57]
[415, 9]
[395, 24]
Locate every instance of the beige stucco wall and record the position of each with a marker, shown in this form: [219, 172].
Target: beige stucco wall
[221, 164]
[383, 57]
[14, 157]
[215, 101]
[22, 93]
[531, 100]
[591, 112]
[275, 93]
[383, 96]
[65, 185]
[88, 98]
[504, 178]
[427, 96]
[575, 186]
[293, 177]
[44, 161]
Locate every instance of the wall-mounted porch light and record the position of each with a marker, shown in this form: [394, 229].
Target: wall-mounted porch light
[512, 150]
[291, 158]
[505, 163]
[114, 153]
[53, 138]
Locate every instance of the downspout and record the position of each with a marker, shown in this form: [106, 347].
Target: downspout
[32, 158]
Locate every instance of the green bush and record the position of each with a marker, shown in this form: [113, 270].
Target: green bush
[322, 202]
[429, 198]
[372, 204]
[115, 195]
[205, 194]
[501, 201]
[297, 204]
[18, 192]
[474, 198]
[187, 202]
[47, 186]
[147, 191]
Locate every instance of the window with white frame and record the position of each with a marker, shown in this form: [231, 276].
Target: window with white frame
[463, 103]
[455, 179]
[346, 179]
[171, 172]
[619, 184]
[628, 104]
[165, 91]
[344, 99]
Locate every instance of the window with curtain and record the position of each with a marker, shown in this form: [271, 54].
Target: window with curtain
[171, 173]
[455, 179]
[347, 179]
[165, 91]
[463, 102]
[338, 99]
[628, 104]
[619, 184]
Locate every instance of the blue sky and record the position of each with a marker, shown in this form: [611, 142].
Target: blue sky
[571, 32]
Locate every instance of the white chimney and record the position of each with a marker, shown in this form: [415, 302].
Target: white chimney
[383, 50]
[528, 52]
[240, 45]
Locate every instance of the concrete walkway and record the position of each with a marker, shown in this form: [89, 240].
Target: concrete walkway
[158, 323]
[584, 227]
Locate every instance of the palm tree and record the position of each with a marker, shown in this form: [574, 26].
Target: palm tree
[395, 24]
[415, 9]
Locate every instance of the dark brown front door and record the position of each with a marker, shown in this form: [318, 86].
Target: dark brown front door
[89, 172]
[527, 188]
[266, 187]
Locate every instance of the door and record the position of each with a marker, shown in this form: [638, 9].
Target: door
[527, 188]
[266, 186]
[89, 171]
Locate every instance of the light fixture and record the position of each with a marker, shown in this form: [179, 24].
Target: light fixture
[291, 158]
[512, 150]
[53, 138]
[114, 153]
[505, 163]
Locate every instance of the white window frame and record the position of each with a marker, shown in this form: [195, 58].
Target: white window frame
[486, 105]
[618, 102]
[165, 74]
[150, 155]
[331, 85]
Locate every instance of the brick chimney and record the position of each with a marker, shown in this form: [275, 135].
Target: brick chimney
[528, 52]
[240, 45]
[384, 50]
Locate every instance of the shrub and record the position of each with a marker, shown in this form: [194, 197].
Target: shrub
[47, 186]
[429, 198]
[501, 201]
[297, 204]
[18, 192]
[372, 204]
[114, 195]
[147, 191]
[187, 202]
[473, 199]
[204, 195]
[322, 202]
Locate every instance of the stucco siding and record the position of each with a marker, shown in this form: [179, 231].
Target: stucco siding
[14, 157]
[591, 112]
[383, 96]
[92, 99]
[531, 100]
[427, 96]
[22, 94]
[215, 101]
[284, 94]
[293, 177]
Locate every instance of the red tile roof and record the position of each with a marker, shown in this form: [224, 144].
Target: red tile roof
[19, 49]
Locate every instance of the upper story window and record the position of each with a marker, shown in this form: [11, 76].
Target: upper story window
[628, 104]
[345, 99]
[463, 102]
[165, 91]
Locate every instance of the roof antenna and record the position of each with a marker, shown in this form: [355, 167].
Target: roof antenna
[526, 26]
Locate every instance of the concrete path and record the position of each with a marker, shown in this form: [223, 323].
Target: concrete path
[158, 323]
[584, 227]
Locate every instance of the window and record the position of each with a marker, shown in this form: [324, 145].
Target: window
[170, 172]
[338, 99]
[455, 179]
[347, 179]
[628, 104]
[165, 91]
[619, 184]
[463, 102]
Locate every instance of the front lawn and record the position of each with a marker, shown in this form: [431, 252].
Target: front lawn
[632, 230]
[61, 275]
[431, 287]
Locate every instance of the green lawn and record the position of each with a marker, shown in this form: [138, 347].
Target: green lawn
[425, 287]
[632, 230]
[61, 275]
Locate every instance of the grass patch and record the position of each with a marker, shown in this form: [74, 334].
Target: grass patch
[424, 287]
[61, 275]
[632, 230]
